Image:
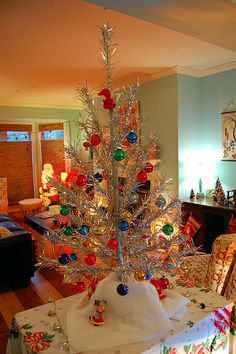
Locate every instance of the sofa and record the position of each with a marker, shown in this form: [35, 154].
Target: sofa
[16, 255]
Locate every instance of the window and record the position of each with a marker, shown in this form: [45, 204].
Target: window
[14, 136]
[52, 134]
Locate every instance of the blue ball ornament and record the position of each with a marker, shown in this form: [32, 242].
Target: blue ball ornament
[160, 202]
[148, 276]
[73, 256]
[132, 137]
[123, 225]
[98, 177]
[122, 289]
[63, 258]
[84, 230]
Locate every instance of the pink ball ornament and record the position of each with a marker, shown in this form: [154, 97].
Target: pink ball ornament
[81, 181]
[95, 139]
[142, 176]
[90, 259]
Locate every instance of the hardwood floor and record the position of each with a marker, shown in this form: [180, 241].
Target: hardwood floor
[45, 283]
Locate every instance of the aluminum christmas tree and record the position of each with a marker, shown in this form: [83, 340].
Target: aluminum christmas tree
[113, 229]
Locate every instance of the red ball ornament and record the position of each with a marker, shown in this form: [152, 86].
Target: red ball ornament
[148, 167]
[159, 290]
[81, 181]
[112, 243]
[95, 139]
[142, 176]
[144, 237]
[79, 286]
[90, 259]
[163, 283]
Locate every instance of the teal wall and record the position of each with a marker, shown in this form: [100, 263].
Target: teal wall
[190, 128]
[200, 103]
[159, 105]
[218, 94]
[185, 113]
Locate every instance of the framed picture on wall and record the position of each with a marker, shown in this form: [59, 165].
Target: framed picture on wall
[229, 136]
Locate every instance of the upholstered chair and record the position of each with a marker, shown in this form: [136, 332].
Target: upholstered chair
[215, 271]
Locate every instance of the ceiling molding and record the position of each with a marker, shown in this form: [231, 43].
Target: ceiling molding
[205, 72]
[39, 105]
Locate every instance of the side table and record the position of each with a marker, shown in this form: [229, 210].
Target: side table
[30, 206]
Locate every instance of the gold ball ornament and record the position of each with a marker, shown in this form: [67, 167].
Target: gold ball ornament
[139, 275]
[127, 215]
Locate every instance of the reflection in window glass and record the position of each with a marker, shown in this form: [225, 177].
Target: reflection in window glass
[52, 135]
[11, 136]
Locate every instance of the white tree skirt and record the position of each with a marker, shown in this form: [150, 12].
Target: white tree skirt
[136, 317]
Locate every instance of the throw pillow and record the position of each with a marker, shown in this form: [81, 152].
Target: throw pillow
[4, 231]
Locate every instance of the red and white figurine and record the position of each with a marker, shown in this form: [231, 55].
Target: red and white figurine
[100, 307]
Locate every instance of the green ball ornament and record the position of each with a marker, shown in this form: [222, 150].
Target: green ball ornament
[65, 210]
[68, 230]
[119, 154]
[168, 229]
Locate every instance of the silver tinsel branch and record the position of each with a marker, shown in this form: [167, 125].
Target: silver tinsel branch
[152, 241]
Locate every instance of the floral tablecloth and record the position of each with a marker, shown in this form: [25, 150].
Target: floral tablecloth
[208, 326]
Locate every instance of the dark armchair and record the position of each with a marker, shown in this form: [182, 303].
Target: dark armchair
[16, 256]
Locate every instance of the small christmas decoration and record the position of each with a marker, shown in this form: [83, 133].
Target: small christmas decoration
[168, 229]
[134, 197]
[163, 282]
[68, 230]
[65, 210]
[98, 177]
[63, 258]
[79, 286]
[81, 181]
[100, 308]
[142, 176]
[84, 230]
[123, 225]
[95, 139]
[148, 168]
[160, 202]
[218, 193]
[139, 275]
[112, 243]
[192, 194]
[90, 259]
[122, 289]
[132, 137]
[119, 154]
[108, 102]
[155, 283]
[73, 256]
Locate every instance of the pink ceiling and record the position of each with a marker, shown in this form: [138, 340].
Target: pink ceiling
[50, 47]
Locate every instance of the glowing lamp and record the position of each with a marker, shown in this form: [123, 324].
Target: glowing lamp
[64, 176]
